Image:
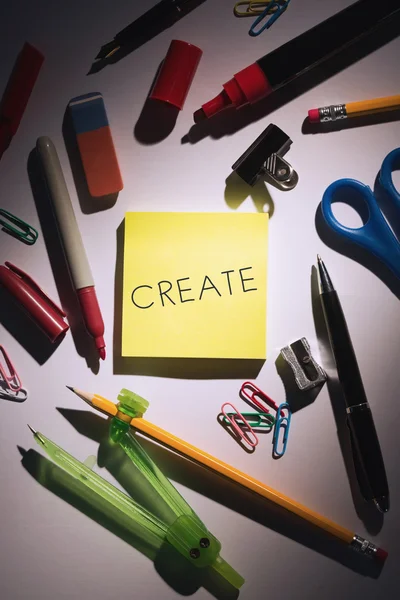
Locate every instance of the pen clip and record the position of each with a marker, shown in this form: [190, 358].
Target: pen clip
[31, 283]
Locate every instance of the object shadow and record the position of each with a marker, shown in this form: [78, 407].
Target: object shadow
[88, 203]
[157, 119]
[234, 435]
[231, 120]
[176, 571]
[372, 519]
[154, 28]
[353, 251]
[296, 398]
[237, 190]
[350, 123]
[235, 497]
[17, 322]
[181, 368]
[12, 397]
[83, 343]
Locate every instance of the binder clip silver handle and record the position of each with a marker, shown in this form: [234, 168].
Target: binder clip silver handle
[281, 172]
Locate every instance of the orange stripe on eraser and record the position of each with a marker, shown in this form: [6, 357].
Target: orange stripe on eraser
[100, 162]
[96, 145]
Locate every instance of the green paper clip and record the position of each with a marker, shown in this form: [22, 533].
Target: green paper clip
[260, 420]
[23, 231]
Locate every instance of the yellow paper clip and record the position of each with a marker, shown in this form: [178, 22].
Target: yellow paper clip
[251, 8]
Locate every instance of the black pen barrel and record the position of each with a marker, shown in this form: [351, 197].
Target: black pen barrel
[365, 440]
[364, 437]
[342, 348]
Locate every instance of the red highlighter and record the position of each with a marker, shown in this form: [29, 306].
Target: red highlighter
[96, 146]
[17, 93]
[301, 54]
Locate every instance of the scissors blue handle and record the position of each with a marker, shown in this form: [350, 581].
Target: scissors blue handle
[375, 235]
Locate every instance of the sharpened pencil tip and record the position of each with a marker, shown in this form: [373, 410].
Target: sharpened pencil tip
[70, 388]
[31, 428]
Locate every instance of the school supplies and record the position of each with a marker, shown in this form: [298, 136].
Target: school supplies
[161, 436]
[375, 236]
[261, 420]
[282, 425]
[353, 109]
[301, 54]
[240, 425]
[265, 20]
[252, 8]
[72, 242]
[194, 285]
[182, 528]
[256, 397]
[265, 157]
[18, 228]
[160, 17]
[365, 443]
[307, 373]
[176, 74]
[10, 382]
[95, 143]
[18, 92]
[42, 310]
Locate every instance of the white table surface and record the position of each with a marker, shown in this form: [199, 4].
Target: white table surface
[49, 549]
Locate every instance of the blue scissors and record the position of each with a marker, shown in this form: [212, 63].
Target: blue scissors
[375, 235]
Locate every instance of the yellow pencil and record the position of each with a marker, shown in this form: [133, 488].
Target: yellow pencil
[353, 109]
[207, 460]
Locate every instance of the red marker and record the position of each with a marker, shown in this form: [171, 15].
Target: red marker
[72, 242]
[17, 93]
[301, 54]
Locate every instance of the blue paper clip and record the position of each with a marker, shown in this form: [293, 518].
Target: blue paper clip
[282, 422]
[280, 9]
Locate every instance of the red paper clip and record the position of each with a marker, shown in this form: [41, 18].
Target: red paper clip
[253, 394]
[244, 429]
[8, 373]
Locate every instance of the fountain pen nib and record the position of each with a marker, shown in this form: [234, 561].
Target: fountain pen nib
[31, 428]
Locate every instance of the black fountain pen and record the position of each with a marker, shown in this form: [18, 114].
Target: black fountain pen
[154, 21]
[365, 441]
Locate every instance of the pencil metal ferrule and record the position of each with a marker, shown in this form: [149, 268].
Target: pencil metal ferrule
[363, 546]
[332, 113]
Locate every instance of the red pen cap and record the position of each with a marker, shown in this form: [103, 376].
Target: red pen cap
[176, 73]
[42, 310]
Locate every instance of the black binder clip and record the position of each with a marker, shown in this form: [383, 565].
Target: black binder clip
[264, 157]
[307, 373]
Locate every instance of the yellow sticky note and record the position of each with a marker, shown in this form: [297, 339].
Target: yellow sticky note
[195, 285]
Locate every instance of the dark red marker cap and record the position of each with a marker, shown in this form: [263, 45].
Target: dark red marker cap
[176, 73]
[46, 314]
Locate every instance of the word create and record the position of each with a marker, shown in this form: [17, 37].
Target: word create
[171, 293]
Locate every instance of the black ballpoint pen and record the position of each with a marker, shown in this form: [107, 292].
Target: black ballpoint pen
[365, 441]
[160, 17]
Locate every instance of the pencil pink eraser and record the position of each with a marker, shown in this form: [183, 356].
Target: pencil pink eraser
[381, 555]
[313, 115]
